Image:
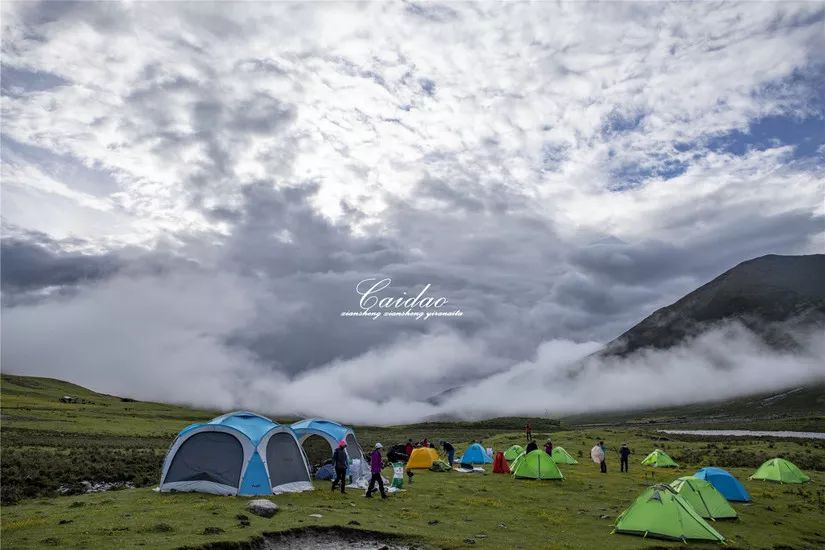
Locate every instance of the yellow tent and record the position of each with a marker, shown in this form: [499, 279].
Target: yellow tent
[422, 457]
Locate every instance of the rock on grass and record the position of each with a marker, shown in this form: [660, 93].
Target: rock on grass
[262, 507]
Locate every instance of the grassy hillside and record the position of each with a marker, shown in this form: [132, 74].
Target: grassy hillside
[444, 510]
[800, 409]
[51, 445]
[47, 444]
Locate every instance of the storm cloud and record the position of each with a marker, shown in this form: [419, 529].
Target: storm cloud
[184, 196]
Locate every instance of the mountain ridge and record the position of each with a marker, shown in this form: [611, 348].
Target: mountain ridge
[772, 295]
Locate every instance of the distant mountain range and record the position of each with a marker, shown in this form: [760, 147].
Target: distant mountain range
[773, 296]
[776, 297]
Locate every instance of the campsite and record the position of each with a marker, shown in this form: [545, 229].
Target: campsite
[122, 440]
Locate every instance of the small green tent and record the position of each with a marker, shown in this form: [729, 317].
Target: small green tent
[781, 471]
[659, 512]
[513, 453]
[514, 464]
[440, 466]
[560, 456]
[705, 499]
[659, 459]
[536, 465]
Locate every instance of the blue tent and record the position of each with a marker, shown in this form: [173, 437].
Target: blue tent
[333, 432]
[725, 483]
[239, 453]
[475, 454]
[325, 472]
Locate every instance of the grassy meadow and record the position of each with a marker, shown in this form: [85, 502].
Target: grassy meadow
[47, 444]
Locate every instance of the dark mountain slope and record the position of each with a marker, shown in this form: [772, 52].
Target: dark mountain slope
[771, 295]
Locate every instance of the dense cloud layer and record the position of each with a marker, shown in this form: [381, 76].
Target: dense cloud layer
[185, 196]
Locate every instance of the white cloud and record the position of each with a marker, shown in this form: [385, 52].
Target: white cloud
[287, 150]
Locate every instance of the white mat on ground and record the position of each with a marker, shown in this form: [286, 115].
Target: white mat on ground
[475, 470]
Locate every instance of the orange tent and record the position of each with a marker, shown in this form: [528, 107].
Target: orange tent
[500, 465]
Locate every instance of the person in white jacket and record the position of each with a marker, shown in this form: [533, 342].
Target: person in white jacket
[598, 456]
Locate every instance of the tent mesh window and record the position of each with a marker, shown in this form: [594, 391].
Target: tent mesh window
[353, 449]
[208, 456]
[284, 460]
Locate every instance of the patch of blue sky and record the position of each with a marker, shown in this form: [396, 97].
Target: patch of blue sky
[628, 175]
[67, 169]
[617, 122]
[17, 80]
[805, 136]
[552, 156]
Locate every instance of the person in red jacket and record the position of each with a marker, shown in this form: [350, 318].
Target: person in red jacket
[408, 448]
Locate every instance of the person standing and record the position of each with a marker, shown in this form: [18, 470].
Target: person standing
[548, 447]
[408, 448]
[450, 450]
[624, 454]
[340, 461]
[528, 431]
[597, 454]
[532, 446]
[376, 464]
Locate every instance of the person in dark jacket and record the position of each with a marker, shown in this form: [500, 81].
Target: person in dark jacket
[548, 447]
[340, 461]
[450, 450]
[376, 464]
[624, 454]
[528, 431]
[532, 446]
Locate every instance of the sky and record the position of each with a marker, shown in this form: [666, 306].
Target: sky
[192, 192]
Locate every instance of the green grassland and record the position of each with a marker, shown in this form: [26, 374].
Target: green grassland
[46, 443]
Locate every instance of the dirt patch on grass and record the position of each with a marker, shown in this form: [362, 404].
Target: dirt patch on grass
[317, 538]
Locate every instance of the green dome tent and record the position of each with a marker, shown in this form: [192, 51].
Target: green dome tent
[561, 456]
[659, 512]
[781, 471]
[513, 453]
[705, 499]
[659, 459]
[536, 465]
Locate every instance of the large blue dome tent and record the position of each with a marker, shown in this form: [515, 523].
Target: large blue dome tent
[239, 453]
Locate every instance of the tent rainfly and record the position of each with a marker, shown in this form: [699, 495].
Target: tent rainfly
[780, 471]
[724, 482]
[705, 499]
[513, 453]
[422, 458]
[536, 465]
[561, 456]
[332, 432]
[475, 454]
[659, 459]
[661, 513]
